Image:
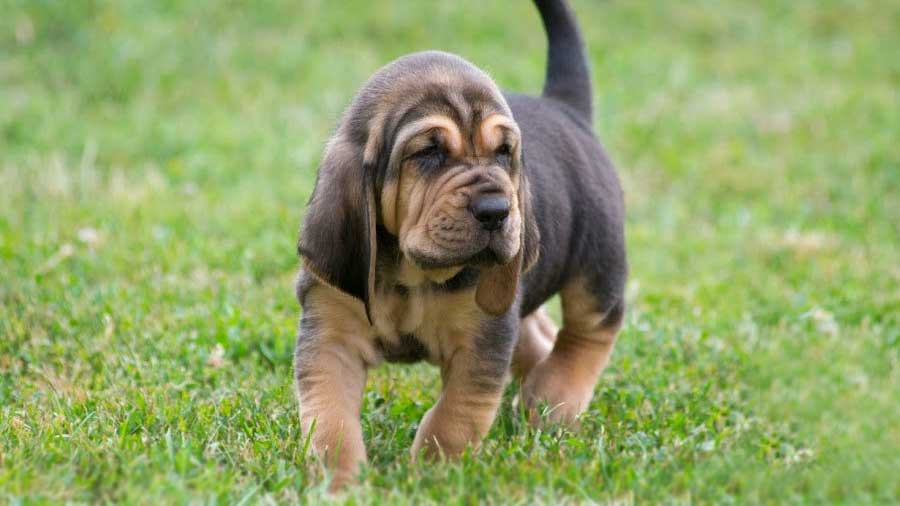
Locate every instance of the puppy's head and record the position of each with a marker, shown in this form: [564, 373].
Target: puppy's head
[428, 150]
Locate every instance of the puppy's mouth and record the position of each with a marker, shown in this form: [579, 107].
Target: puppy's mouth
[488, 255]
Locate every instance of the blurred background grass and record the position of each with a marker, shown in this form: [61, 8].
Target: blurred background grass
[155, 158]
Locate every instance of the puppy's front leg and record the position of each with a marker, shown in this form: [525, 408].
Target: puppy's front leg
[472, 390]
[330, 383]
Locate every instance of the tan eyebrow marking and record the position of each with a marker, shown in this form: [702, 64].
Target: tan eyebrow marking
[449, 130]
[492, 133]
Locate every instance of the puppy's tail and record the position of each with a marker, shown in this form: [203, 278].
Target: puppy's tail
[568, 75]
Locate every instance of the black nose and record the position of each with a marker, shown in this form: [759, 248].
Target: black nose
[490, 210]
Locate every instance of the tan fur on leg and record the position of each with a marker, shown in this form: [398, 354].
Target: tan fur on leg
[330, 393]
[463, 414]
[565, 380]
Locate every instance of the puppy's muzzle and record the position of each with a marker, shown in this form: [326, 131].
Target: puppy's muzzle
[490, 210]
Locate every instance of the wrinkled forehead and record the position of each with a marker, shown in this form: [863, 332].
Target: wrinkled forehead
[435, 82]
[456, 115]
[421, 92]
[466, 106]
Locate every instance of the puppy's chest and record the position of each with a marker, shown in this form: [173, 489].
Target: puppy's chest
[422, 323]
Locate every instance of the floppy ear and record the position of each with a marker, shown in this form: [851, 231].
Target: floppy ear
[337, 240]
[531, 234]
[497, 286]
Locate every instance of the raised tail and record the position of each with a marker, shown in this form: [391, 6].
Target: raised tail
[568, 75]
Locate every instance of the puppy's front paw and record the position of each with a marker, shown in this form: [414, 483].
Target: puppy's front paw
[426, 445]
[450, 427]
[341, 480]
[440, 438]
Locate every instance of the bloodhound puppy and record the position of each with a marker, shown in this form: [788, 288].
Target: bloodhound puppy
[445, 213]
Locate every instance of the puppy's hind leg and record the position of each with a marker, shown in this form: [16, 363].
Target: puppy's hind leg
[537, 333]
[565, 379]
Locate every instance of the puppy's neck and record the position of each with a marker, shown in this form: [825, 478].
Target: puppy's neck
[411, 276]
[394, 269]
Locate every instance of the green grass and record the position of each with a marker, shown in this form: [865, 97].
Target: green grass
[155, 159]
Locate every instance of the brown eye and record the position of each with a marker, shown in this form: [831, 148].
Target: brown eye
[427, 151]
[430, 157]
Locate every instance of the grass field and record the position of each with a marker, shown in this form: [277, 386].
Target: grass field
[155, 159]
